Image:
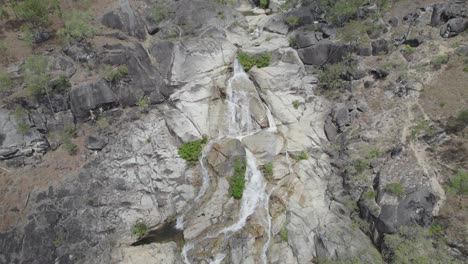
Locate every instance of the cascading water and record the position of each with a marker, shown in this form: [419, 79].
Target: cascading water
[239, 124]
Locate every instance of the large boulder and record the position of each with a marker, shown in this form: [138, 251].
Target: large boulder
[443, 12]
[145, 80]
[125, 19]
[223, 155]
[90, 96]
[324, 52]
[15, 143]
[453, 27]
[305, 38]
[380, 47]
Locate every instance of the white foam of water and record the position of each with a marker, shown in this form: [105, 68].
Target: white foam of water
[180, 222]
[251, 197]
[185, 250]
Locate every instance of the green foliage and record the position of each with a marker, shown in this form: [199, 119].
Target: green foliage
[283, 233]
[5, 81]
[268, 170]
[395, 188]
[58, 240]
[77, 26]
[422, 127]
[34, 12]
[301, 156]
[60, 85]
[339, 11]
[292, 21]
[143, 104]
[116, 73]
[412, 244]
[237, 181]
[140, 229]
[68, 133]
[369, 195]
[261, 60]
[292, 42]
[159, 12]
[36, 75]
[102, 123]
[190, 151]
[408, 49]
[296, 104]
[264, 3]
[465, 69]
[21, 119]
[361, 165]
[354, 31]
[435, 229]
[440, 60]
[204, 139]
[463, 117]
[458, 185]
[330, 76]
[4, 15]
[373, 153]
[70, 147]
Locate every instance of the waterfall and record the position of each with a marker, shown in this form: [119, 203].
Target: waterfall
[251, 197]
[238, 115]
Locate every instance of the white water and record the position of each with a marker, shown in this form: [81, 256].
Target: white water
[239, 124]
[252, 196]
[238, 114]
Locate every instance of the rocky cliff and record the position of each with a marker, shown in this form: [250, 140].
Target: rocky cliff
[348, 130]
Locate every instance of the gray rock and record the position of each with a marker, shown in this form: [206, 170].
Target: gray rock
[95, 142]
[341, 115]
[264, 145]
[378, 73]
[40, 37]
[393, 21]
[380, 47]
[328, 31]
[442, 12]
[330, 130]
[276, 24]
[145, 80]
[163, 52]
[305, 38]
[324, 52]
[454, 27]
[80, 52]
[86, 97]
[223, 155]
[125, 19]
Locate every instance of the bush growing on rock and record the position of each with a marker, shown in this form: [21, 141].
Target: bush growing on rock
[5, 81]
[395, 188]
[292, 21]
[412, 244]
[339, 11]
[77, 26]
[36, 76]
[296, 104]
[268, 170]
[264, 3]
[190, 151]
[34, 12]
[283, 233]
[458, 185]
[301, 156]
[140, 229]
[237, 181]
[261, 60]
[114, 74]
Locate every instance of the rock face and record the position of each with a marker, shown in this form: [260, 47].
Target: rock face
[88, 97]
[17, 144]
[324, 52]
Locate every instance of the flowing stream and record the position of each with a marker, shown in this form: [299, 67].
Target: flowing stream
[239, 124]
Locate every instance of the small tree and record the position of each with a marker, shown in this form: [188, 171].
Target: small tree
[36, 77]
[33, 12]
[77, 27]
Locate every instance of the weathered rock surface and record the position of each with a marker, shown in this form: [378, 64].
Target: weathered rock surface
[86, 97]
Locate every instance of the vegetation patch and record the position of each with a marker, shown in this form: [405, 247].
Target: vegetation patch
[237, 181]
[268, 170]
[77, 26]
[140, 229]
[369, 195]
[115, 74]
[283, 233]
[36, 76]
[301, 156]
[339, 12]
[5, 81]
[159, 12]
[458, 185]
[261, 60]
[394, 188]
[190, 151]
[293, 21]
[264, 3]
[440, 60]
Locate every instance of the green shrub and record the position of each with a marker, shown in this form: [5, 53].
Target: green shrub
[70, 147]
[458, 185]
[5, 81]
[117, 73]
[296, 104]
[36, 76]
[261, 60]
[330, 76]
[292, 21]
[361, 165]
[190, 151]
[412, 244]
[268, 170]
[77, 26]
[292, 42]
[301, 156]
[369, 195]
[463, 117]
[373, 153]
[143, 104]
[394, 188]
[354, 31]
[435, 230]
[338, 11]
[283, 233]
[159, 12]
[440, 60]
[34, 12]
[264, 3]
[140, 229]
[408, 49]
[237, 181]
